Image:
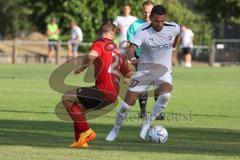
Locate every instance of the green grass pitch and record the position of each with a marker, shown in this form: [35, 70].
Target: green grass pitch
[203, 119]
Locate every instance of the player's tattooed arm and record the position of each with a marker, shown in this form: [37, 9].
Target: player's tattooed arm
[87, 61]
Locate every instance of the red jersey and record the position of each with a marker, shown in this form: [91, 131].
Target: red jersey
[109, 64]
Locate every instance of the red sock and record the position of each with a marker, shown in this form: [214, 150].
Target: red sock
[77, 131]
[79, 119]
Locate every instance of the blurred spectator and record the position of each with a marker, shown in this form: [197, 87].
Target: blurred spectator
[123, 22]
[53, 37]
[187, 45]
[75, 39]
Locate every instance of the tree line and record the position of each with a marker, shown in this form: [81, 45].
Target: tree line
[27, 16]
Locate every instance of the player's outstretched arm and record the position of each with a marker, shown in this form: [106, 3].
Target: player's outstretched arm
[87, 61]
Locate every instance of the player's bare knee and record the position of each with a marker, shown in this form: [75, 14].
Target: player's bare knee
[67, 98]
[131, 97]
[130, 100]
[163, 88]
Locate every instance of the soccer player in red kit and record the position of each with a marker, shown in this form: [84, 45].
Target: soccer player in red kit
[109, 64]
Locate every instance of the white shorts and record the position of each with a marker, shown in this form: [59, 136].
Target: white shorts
[144, 78]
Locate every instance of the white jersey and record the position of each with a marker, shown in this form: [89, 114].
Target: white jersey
[76, 34]
[123, 23]
[187, 38]
[156, 46]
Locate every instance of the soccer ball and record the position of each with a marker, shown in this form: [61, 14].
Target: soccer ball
[157, 134]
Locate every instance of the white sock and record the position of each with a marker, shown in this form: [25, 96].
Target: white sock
[188, 65]
[159, 107]
[121, 114]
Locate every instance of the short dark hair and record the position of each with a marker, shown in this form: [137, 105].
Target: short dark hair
[127, 4]
[148, 2]
[159, 10]
[107, 27]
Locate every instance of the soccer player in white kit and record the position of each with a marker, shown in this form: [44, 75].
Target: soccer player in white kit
[156, 39]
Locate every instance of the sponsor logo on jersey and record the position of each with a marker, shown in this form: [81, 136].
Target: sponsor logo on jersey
[162, 47]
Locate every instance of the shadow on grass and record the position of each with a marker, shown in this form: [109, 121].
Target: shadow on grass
[181, 140]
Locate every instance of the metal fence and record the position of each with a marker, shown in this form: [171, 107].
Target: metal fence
[200, 53]
[222, 52]
[19, 51]
[225, 52]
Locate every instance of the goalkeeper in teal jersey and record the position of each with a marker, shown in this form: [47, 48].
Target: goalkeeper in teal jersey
[146, 10]
[133, 29]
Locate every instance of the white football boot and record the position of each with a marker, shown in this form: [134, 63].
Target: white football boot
[144, 130]
[112, 134]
